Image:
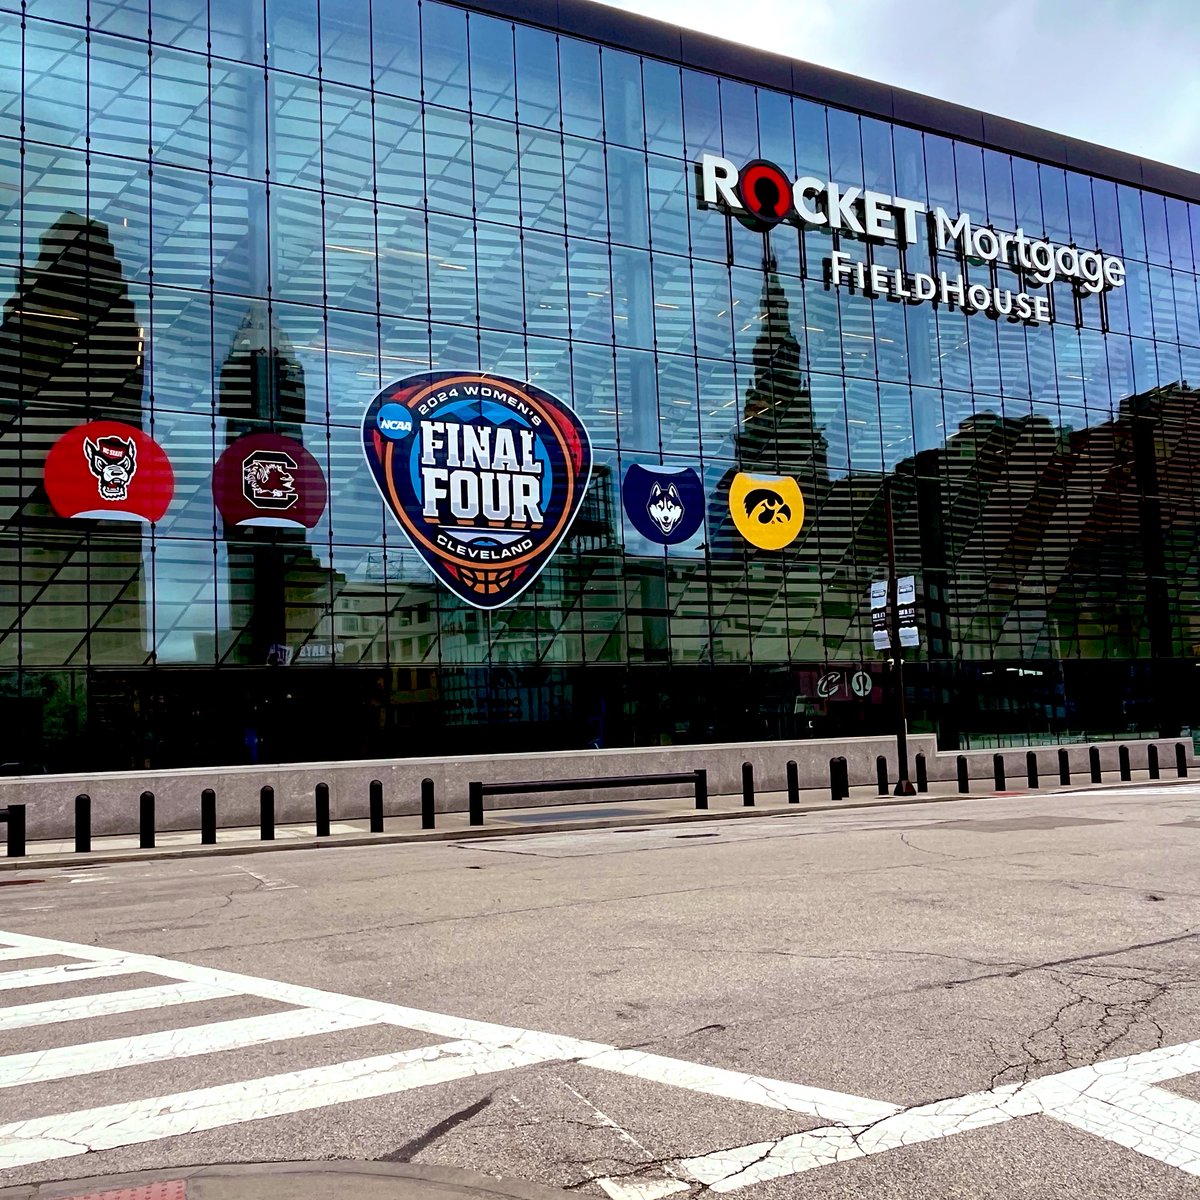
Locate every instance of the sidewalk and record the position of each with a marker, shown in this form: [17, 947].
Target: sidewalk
[291, 1181]
[502, 822]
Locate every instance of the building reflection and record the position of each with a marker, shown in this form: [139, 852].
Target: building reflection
[72, 350]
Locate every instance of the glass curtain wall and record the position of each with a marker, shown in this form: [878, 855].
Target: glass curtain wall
[241, 217]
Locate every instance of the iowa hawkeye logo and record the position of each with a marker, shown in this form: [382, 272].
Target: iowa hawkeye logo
[484, 475]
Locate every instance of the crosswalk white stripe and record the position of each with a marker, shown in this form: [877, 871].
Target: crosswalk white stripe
[1162, 1132]
[827, 1105]
[736, 1085]
[298, 996]
[1151, 1120]
[67, 1134]
[66, 1062]
[48, 976]
[728, 1170]
[12, 953]
[106, 1004]
[1114, 1099]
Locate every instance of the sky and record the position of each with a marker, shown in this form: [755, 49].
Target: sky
[1121, 73]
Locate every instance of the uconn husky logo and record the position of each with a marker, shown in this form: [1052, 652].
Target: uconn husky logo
[664, 505]
[484, 474]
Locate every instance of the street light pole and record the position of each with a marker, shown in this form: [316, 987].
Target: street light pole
[904, 785]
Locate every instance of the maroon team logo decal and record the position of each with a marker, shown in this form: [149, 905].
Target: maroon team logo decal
[109, 470]
[268, 479]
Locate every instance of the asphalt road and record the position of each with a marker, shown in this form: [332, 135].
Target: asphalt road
[881, 1003]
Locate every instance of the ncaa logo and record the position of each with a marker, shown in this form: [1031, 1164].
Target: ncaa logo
[484, 481]
[394, 421]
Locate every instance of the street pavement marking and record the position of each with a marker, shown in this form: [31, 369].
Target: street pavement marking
[67, 1134]
[107, 1004]
[735, 1085]
[12, 953]
[770, 1093]
[47, 976]
[1116, 1100]
[1149, 1120]
[66, 1062]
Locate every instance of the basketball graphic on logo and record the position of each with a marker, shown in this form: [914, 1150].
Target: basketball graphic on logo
[484, 475]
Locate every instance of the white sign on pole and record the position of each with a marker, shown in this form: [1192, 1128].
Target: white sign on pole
[879, 623]
[906, 610]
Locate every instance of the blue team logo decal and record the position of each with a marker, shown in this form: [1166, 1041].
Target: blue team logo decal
[484, 475]
[664, 505]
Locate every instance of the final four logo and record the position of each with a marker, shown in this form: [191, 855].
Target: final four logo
[484, 475]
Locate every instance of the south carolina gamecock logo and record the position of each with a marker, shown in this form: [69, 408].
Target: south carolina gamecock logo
[269, 479]
[483, 474]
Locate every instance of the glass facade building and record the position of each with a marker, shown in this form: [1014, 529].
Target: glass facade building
[249, 216]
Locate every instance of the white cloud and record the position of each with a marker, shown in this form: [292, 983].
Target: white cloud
[1115, 72]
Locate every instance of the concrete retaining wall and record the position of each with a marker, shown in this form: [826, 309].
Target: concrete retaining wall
[50, 799]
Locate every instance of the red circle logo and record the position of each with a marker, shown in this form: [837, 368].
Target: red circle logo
[765, 191]
[108, 470]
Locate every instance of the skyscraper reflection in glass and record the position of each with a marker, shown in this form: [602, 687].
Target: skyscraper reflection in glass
[247, 218]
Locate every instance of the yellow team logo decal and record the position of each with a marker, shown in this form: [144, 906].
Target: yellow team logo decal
[768, 510]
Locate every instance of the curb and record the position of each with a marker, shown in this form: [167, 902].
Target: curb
[35, 862]
[405, 1181]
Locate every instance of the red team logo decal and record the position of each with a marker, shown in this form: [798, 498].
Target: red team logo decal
[109, 470]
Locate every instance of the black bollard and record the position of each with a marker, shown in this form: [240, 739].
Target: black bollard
[1064, 767]
[1031, 768]
[376, 806]
[1123, 761]
[922, 774]
[1152, 760]
[964, 778]
[881, 774]
[208, 817]
[146, 821]
[266, 813]
[321, 800]
[1180, 760]
[83, 823]
[835, 781]
[14, 816]
[747, 785]
[701, 788]
[427, 809]
[998, 771]
[1094, 763]
[475, 803]
[793, 782]
[843, 777]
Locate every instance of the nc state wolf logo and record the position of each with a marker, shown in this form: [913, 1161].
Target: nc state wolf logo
[113, 460]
